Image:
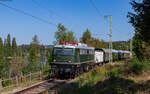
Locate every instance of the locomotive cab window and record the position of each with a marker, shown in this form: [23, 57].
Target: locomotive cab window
[68, 51]
[58, 51]
[65, 51]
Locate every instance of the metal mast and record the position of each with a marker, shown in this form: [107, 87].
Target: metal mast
[131, 43]
[110, 37]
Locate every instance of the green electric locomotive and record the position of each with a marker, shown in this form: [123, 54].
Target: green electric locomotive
[71, 58]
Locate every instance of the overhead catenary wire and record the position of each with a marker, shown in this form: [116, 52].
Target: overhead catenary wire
[46, 8]
[27, 14]
[43, 7]
[110, 35]
[93, 4]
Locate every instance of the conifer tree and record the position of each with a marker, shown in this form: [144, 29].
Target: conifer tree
[33, 56]
[8, 46]
[1, 49]
[140, 20]
[14, 47]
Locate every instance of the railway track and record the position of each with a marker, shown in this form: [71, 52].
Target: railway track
[45, 87]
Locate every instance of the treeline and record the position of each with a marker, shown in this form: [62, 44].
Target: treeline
[20, 60]
[121, 45]
[91, 41]
[63, 34]
[16, 60]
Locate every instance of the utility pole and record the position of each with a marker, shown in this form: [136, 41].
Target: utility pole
[110, 37]
[131, 43]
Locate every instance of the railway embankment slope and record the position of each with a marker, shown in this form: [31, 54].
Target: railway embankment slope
[125, 77]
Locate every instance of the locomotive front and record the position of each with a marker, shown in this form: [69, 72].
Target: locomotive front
[63, 60]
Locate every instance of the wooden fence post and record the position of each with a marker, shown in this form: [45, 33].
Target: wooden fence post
[40, 75]
[30, 76]
[21, 78]
[1, 84]
[17, 81]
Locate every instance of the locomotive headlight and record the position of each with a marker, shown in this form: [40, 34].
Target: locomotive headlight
[54, 60]
[69, 61]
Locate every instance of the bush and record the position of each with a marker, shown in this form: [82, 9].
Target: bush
[138, 66]
[6, 83]
[113, 73]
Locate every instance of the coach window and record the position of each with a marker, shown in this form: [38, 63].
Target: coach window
[83, 51]
[91, 52]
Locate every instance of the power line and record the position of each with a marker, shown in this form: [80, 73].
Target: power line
[27, 14]
[93, 4]
[45, 8]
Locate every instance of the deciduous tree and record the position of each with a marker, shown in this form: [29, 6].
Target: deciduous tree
[63, 35]
[86, 37]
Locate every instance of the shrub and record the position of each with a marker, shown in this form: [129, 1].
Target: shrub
[112, 74]
[6, 83]
[137, 66]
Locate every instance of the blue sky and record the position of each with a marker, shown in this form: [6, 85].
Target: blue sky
[76, 15]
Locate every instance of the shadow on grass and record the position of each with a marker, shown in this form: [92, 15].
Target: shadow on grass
[117, 85]
[112, 85]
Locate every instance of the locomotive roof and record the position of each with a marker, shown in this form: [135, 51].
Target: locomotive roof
[73, 46]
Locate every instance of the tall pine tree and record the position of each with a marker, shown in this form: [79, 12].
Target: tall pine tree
[2, 67]
[1, 49]
[140, 19]
[8, 47]
[14, 47]
[33, 55]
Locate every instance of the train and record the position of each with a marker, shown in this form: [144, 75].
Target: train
[72, 58]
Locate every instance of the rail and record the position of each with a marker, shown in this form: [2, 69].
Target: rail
[46, 87]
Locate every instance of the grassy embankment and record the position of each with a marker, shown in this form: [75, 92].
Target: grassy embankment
[125, 77]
